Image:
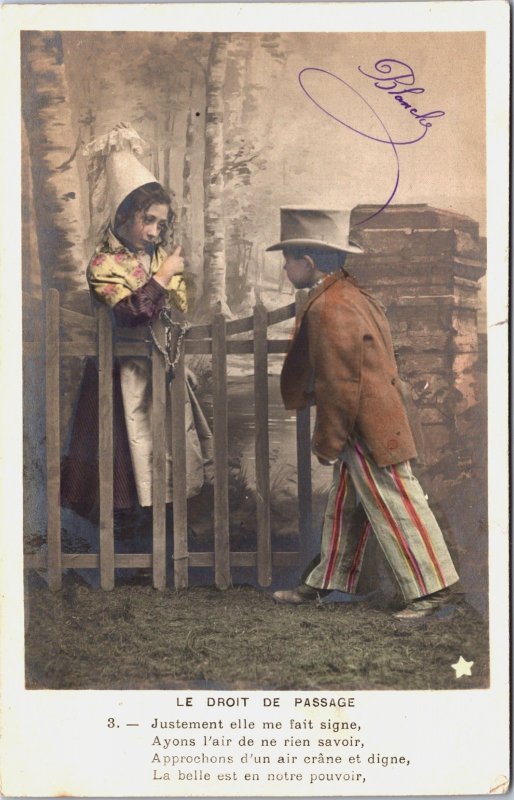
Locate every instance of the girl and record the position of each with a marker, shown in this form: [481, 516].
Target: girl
[132, 273]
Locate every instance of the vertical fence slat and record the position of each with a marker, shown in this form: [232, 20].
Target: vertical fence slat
[158, 466]
[178, 438]
[262, 476]
[220, 421]
[105, 447]
[303, 455]
[53, 439]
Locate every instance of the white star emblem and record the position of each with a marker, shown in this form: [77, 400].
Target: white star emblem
[462, 667]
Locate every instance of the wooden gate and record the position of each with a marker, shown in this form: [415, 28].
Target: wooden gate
[89, 336]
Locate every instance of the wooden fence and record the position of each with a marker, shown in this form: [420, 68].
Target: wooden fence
[90, 336]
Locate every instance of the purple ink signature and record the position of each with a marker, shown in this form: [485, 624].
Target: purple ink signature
[402, 76]
[390, 84]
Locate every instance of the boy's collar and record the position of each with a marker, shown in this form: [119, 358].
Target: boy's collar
[322, 278]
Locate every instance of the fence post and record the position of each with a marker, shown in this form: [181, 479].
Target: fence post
[158, 464]
[105, 447]
[303, 454]
[179, 466]
[262, 476]
[53, 480]
[220, 435]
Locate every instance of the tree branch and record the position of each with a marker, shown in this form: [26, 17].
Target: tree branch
[242, 162]
[66, 163]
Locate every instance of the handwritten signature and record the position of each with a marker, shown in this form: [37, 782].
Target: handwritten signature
[390, 85]
[389, 75]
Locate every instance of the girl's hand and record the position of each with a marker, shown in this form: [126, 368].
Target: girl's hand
[172, 265]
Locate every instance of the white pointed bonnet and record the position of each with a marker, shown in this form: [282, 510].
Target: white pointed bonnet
[117, 169]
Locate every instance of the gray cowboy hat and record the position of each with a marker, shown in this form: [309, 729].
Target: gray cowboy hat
[324, 229]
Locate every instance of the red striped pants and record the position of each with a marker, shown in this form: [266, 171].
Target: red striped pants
[390, 502]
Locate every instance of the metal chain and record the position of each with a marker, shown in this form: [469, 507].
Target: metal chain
[167, 351]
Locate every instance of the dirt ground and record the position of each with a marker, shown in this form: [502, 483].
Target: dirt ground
[200, 638]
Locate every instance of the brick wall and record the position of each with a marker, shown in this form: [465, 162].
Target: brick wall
[425, 265]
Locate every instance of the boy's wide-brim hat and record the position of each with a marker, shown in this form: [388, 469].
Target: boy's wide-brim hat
[323, 229]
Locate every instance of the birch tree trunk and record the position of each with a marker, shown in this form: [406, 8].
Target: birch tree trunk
[34, 489]
[55, 176]
[238, 63]
[31, 273]
[213, 180]
[168, 130]
[186, 213]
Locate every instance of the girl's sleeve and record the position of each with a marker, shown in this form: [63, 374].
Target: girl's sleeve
[130, 307]
[104, 281]
[140, 306]
[178, 292]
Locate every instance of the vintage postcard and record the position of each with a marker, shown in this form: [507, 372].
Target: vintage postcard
[254, 367]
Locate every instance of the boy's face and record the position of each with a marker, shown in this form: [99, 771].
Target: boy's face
[300, 271]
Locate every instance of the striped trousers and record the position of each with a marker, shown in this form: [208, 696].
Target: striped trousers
[389, 502]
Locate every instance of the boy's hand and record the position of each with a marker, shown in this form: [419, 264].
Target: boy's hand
[325, 461]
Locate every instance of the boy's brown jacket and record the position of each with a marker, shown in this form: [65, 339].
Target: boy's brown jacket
[341, 358]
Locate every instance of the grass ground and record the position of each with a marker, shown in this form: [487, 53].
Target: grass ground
[137, 638]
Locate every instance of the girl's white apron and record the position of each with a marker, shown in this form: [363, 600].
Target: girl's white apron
[136, 389]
